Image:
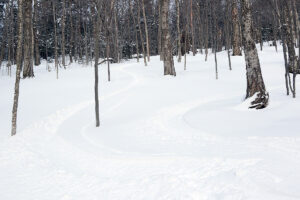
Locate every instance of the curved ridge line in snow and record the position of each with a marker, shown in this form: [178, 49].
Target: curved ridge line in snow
[52, 122]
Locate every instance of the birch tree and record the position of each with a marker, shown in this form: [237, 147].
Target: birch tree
[255, 83]
[19, 66]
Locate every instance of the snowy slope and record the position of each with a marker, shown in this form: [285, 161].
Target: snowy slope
[189, 137]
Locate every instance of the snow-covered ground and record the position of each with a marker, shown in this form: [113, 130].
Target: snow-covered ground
[188, 137]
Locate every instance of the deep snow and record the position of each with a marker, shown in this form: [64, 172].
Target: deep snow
[188, 137]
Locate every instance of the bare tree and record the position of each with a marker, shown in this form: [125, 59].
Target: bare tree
[178, 31]
[135, 31]
[19, 66]
[55, 38]
[236, 30]
[37, 59]
[146, 31]
[169, 68]
[141, 35]
[255, 83]
[28, 56]
[71, 42]
[192, 27]
[97, 22]
[215, 36]
[63, 43]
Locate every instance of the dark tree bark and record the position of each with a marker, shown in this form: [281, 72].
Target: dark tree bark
[28, 57]
[215, 36]
[178, 31]
[255, 83]
[55, 38]
[10, 41]
[5, 35]
[63, 43]
[135, 31]
[192, 28]
[116, 35]
[71, 33]
[228, 35]
[206, 29]
[37, 59]
[236, 30]
[146, 31]
[169, 68]
[141, 35]
[159, 44]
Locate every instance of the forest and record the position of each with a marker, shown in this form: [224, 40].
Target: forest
[180, 99]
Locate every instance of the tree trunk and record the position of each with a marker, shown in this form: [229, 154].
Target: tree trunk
[71, 33]
[85, 32]
[12, 32]
[9, 42]
[255, 83]
[228, 34]
[206, 29]
[186, 37]
[37, 59]
[136, 33]
[117, 35]
[236, 30]
[280, 20]
[289, 36]
[146, 31]
[159, 32]
[169, 68]
[5, 35]
[178, 31]
[108, 56]
[96, 37]
[141, 35]
[19, 66]
[200, 36]
[296, 21]
[192, 28]
[63, 43]
[275, 31]
[215, 37]
[55, 39]
[28, 61]
[9, 38]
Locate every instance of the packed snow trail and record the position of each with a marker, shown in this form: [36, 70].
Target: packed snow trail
[189, 137]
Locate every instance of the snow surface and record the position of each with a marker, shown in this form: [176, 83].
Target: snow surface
[188, 137]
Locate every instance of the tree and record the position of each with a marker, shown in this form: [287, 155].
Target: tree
[55, 38]
[96, 38]
[37, 59]
[178, 31]
[135, 31]
[291, 35]
[236, 30]
[146, 31]
[141, 35]
[255, 82]
[28, 56]
[63, 51]
[215, 36]
[169, 68]
[19, 66]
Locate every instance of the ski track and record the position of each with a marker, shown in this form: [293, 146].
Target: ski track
[212, 178]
